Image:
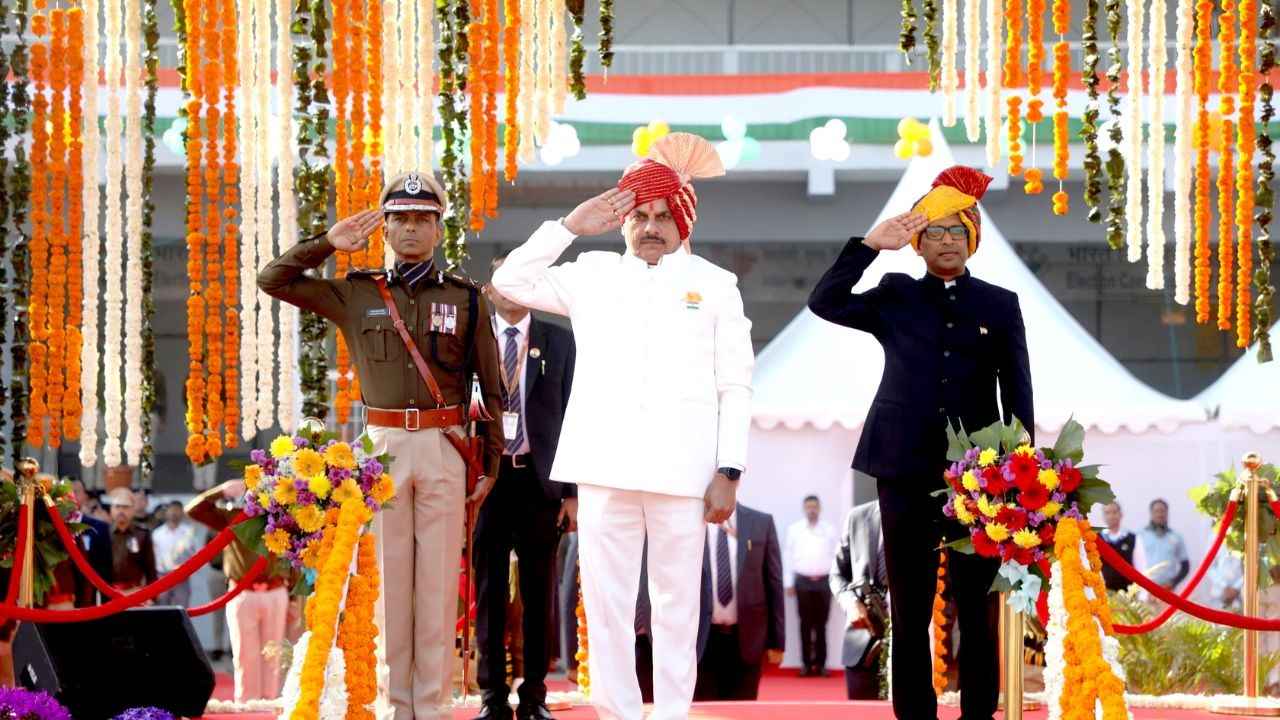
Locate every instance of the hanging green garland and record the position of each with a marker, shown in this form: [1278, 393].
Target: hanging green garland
[577, 53]
[933, 47]
[312, 181]
[1264, 195]
[1089, 126]
[1115, 161]
[454, 19]
[18, 185]
[907, 36]
[5, 290]
[606, 35]
[151, 58]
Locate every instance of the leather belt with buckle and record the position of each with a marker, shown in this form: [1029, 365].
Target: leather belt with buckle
[522, 460]
[412, 419]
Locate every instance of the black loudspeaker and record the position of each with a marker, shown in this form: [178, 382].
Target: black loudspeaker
[98, 669]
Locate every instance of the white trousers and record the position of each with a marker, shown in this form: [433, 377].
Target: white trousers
[419, 553]
[612, 525]
[256, 618]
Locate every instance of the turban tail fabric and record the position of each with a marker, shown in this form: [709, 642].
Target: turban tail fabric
[956, 191]
[668, 173]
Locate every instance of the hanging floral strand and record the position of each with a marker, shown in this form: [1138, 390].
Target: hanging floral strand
[1246, 142]
[1013, 77]
[972, 55]
[995, 13]
[1092, 110]
[6, 408]
[1061, 71]
[286, 411]
[493, 53]
[1227, 78]
[1115, 159]
[133, 441]
[606, 35]
[514, 73]
[150, 391]
[1133, 120]
[1158, 63]
[907, 35]
[1264, 196]
[90, 360]
[1182, 168]
[577, 53]
[426, 92]
[1203, 49]
[19, 191]
[1034, 176]
[247, 138]
[453, 19]
[74, 129]
[528, 79]
[950, 41]
[929, 9]
[478, 97]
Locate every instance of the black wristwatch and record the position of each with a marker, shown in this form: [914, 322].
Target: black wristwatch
[731, 473]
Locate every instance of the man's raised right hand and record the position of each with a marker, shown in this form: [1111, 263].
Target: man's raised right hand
[897, 232]
[601, 214]
[351, 234]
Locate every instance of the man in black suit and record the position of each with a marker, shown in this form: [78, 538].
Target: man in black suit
[948, 338]
[743, 620]
[858, 582]
[525, 511]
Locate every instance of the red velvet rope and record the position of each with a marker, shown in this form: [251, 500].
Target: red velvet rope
[1228, 516]
[1275, 507]
[1218, 617]
[15, 577]
[73, 549]
[241, 585]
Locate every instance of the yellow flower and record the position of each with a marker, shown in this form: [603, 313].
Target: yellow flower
[340, 455]
[1025, 450]
[987, 457]
[986, 507]
[997, 532]
[348, 490]
[1024, 538]
[284, 492]
[962, 512]
[319, 486]
[307, 463]
[1051, 509]
[384, 489]
[252, 476]
[309, 518]
[282, 447]
[264, 499]
[969, 481]
[1048, 478]
[277, 541]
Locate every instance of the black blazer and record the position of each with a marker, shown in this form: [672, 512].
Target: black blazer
[548, 379]
[762, 620]
[945, 349]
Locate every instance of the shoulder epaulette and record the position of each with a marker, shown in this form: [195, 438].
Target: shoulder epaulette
[460, 280]
[369, 273]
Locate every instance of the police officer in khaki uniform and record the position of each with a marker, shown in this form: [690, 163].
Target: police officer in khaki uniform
[133, 561]
[420, 535]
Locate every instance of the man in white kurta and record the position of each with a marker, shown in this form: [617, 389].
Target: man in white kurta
[655, 434]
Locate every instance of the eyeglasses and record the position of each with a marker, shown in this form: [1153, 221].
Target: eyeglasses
[936, 232]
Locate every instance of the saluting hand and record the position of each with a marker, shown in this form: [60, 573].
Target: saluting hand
[897, 232]
[602, 213]
[351, 234]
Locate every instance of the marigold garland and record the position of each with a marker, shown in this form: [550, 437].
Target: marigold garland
[1246, 144]
[133, 441]
[1203, 70]
[1014, 114]
[606, 34]
[1264, 195]
[972, 69]
[452, 52]
[514, 74]
[577, 53]
[72, 403]
[940, 620]
[949, 78]
[583, 654]
[1061, 72]
[56, 270]
[1089, 678]
[357, 632]
[929, 10]
[249, 71]
[1013, 69]
[1227, 77]
[1089, 124]
[907, 32]
[37, 349]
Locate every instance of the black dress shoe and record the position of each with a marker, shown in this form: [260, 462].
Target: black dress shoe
[494, 711]
[534, 712]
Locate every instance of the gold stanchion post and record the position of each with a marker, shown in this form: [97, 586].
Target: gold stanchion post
[26, 478]
[1011, 652]
[1249, 703]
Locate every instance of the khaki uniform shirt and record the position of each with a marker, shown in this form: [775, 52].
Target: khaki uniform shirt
[236, 557]
[133, 562]
[437, 314]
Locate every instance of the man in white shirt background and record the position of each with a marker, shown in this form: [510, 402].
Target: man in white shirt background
[810, 548]
[174, 542]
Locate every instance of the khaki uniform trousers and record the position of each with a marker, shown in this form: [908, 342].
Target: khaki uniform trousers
[419, 551]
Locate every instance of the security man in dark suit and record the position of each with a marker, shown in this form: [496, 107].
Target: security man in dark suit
[858, 582]
[526, 511]
[948, 339]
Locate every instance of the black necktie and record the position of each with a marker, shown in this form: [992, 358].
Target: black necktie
[724, 578]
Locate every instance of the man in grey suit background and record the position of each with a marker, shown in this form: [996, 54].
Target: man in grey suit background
[859, 583]
[743, 621]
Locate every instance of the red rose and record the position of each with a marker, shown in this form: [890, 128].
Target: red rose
[1023, 464]
[996, 484]
[1008, 551]
[1012, 518]
[1046, 534]
[953, 480]
[983, 545]
[1069, 479]
[1033, 498]
[1025, 556]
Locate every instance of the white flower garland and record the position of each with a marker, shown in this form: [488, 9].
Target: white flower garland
[393, 117]
[113, 331]
[995, 24]
[333, 700]
[133, 216]
[1178, 701]
[950, 41]
[266, 237]
[424, 94]
[528, 74]
[972, 48]
[290, 389]
[408, 88]
[1184, 100]
[1133, 135]
[560, 56]
[247, 141]
[89, 358]
[546, 61]
[1054, 645]
[1158, 62]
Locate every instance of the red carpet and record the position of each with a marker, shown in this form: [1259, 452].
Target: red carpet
[783, 696]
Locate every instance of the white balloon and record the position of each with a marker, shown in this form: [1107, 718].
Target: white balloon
[817, 135]
[550, 155]
[820, 150]
[841, 152]
[837, 128]
[733, 128]
[730, 152]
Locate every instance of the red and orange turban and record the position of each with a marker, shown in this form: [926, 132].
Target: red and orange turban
[673, 162]
[956, 191]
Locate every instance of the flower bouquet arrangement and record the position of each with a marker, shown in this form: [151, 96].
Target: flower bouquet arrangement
[49, 552]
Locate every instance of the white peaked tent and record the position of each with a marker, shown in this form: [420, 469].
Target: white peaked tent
[1246, 400]
[815, 382]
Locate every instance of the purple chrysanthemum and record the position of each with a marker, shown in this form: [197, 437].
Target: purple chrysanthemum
[949, 510]
[258, 456]
[145, 713]
[28, 704]
[301, 442]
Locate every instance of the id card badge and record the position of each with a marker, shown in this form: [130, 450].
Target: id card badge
[510, 424]
[134, 546]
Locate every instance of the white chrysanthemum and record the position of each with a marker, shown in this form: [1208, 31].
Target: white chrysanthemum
[333, 701]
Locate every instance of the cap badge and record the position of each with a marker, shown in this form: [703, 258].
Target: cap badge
[413, 184]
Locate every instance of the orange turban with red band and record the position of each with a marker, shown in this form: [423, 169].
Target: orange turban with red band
[956, 191]
[667, 174]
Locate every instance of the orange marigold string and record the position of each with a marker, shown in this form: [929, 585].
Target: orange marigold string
[1035, 74]
[72, 406]
[511, 58]
[939, 621]
[230, 232]
[476, 78]
[1203, 70]
[1014, 114]
[357, 632]
[373, 180]
[1246, 143]
[37, 305]
[56, 270]
[492, 80]
[1061, 73]
[1227, 74]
